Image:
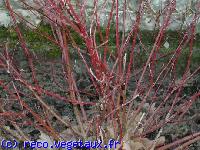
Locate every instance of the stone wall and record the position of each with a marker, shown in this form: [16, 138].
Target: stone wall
[185, 10]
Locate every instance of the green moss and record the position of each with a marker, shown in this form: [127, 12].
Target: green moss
[76, 37]
[41, 45]
[54, 53]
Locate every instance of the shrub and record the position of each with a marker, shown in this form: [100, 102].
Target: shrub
[112, 94]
